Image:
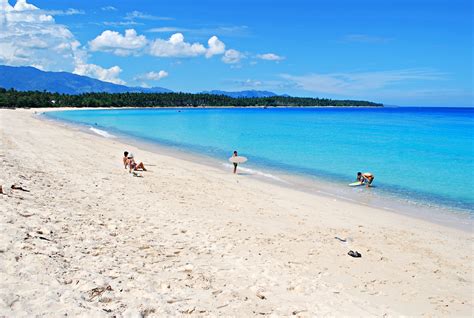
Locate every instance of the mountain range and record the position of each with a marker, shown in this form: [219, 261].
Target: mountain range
[27, 78]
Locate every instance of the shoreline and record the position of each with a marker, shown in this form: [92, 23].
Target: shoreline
[89, 239]
[437, 213]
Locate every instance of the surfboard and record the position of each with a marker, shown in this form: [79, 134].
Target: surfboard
[238, 159]
[355, 184]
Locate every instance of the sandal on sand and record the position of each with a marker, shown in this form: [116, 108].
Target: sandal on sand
[354, 254]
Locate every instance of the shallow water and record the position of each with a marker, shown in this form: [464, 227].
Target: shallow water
[423, 155]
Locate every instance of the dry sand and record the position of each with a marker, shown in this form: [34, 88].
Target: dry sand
[89, 239]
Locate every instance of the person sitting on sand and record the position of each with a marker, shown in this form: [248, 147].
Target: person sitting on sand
[235, 163]
[365, 178]
[129, 161]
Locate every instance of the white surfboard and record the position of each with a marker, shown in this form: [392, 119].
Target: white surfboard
[238, 159]
[355, 184]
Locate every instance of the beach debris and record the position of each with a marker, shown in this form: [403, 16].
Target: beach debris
[340, 239]
[176, 300]
[98, 291]
[25, 215]
[188, 311]
[188, 268]
[16, 187]
[260, 294]
[354, 254]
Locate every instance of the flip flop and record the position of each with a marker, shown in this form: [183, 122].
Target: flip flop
[354, 254]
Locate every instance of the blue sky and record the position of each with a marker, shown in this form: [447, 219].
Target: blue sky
[398, 52]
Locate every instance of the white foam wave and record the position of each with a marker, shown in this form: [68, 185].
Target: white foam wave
[257, 173]
[102, 133]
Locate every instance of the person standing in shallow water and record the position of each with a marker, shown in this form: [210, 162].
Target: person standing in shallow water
[235, 163]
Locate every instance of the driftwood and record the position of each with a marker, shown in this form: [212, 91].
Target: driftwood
[15, 187]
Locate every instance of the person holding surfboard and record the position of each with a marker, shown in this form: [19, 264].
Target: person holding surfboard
[236, 159]
[235, 163]
[365, 178]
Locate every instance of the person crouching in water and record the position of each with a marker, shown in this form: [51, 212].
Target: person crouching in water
[365, 178]
[129, 161]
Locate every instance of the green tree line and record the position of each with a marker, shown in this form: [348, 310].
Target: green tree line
[34, 99]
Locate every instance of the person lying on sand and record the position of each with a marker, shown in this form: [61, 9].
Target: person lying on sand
[365, 178]
[129, 161]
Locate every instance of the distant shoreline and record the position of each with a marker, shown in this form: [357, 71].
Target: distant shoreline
[35, 99]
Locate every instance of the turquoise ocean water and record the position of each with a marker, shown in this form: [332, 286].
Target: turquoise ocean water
[425, 155]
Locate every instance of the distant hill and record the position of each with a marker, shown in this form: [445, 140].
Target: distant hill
[32, 79]
[246, 94]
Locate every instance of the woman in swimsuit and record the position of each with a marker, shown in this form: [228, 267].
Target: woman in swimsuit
[129, 161]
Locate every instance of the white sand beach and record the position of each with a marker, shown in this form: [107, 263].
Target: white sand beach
[88, 239]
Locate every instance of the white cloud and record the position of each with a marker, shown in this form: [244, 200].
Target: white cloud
[216, 47]
[133, 44]
[121, 23]
[104, 74]
[175, 46]
[31, 37]
[70, 11]
[167, 30]
[109, 8]
[123, 45]
[228, 31]
[152, 76]
[249, 83]
[355, 84]
[232, 56]
[144, 16]
[22, 5]
[270, 57]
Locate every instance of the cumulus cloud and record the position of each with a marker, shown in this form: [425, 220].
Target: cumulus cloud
[123, 45]
[31, 37]
[232, 56]
[152, 76]
[216, 46]
[270, 57]
[104, 74]
[133, 44]
[175, 46]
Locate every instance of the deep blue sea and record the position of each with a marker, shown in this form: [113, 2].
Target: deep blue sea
[421, 154]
